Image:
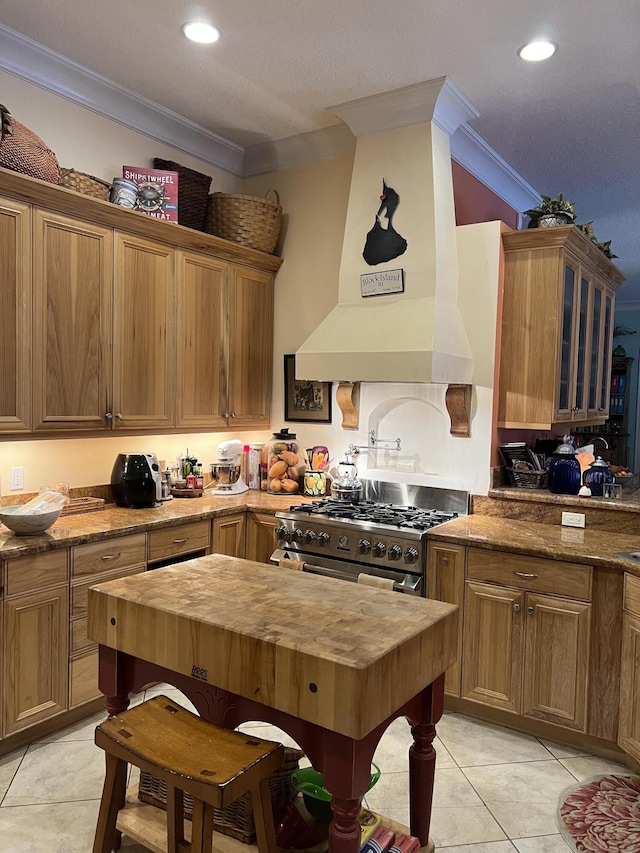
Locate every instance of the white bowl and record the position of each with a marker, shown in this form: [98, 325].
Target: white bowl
[28, 525]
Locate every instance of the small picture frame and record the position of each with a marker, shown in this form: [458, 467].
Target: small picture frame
[305, 401]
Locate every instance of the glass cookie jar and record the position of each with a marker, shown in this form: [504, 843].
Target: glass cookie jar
[285, 471]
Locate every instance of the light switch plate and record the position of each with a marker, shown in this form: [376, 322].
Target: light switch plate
[573, 519]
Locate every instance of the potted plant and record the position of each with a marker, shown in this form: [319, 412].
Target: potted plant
[551, 212]
[618, 332]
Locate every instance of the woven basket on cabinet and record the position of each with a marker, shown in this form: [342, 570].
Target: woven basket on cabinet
[21, 150]
[237, 818]
[246, 219]
[85, 184]
[193, 192]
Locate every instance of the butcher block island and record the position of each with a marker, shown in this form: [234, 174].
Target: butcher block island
[329, 662]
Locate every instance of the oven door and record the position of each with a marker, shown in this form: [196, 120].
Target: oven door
[407, 582]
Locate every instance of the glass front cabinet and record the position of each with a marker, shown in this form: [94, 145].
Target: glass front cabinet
[557, 329]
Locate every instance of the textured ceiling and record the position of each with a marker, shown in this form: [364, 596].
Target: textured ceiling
[571, 124]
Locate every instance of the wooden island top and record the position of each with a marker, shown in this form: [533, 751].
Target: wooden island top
[336, 654]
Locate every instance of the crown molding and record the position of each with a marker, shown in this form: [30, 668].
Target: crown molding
[472, 153]
[35, 63]
[300, 150]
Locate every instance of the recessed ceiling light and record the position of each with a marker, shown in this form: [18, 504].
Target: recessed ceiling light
[202, 33]
[536, 51]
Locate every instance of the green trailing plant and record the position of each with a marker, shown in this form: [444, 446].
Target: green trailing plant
[587, 230]
[605, 248]
[552, 205]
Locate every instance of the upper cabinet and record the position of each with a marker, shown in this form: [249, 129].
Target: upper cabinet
[557, 329]
[113, 320]
[15, 316]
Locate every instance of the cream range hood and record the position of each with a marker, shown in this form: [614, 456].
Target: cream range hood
[417, 335]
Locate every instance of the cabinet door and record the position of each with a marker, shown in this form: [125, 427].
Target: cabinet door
[72, 323]
[260, 536]
[202, 344]
[581, 350]
[250, 348]
[555, 660]
[629, 725]
[445, 582]
[143, 334]
[597, 340]
[35, 657]
[493, 643]
[15, 316]
[607, 346]
[229, 535]
[569, 313]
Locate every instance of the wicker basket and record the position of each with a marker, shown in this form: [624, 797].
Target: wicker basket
[193, 193]
[245, 219]
[528, 479]
[21, 150]
[237, 819]
[85, 184]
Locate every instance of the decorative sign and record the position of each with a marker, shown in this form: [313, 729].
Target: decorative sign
[157, 191]
[379, 283]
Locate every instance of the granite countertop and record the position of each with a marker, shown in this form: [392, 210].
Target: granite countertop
[574, 545]
[117, 521]
[630, 501]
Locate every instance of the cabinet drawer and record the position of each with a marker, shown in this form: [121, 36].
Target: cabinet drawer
[632, 594]
[41, 570]
[80, 591]
[83, 679]
[180, 539]
[97, 557]
[532, 573]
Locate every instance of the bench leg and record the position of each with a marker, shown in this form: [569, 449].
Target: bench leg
[113, 798]
[175, 820]
[263, 817]
[202, 827]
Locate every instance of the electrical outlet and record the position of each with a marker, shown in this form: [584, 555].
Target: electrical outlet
[573, 519]
[17, 478]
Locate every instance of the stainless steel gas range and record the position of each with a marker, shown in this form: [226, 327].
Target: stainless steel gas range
[384, 534]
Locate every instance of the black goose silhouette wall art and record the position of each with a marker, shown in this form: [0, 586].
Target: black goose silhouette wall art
[383, 242]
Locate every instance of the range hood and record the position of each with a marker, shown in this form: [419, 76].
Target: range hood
[416, 335]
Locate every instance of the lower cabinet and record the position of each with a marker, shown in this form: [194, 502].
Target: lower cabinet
[445, 582]
[260, 536]
[229, 534]
[526, 653]
[35, 640]
[629, 721]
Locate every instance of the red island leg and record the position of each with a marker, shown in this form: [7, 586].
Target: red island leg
[422, 761]
[344, 830]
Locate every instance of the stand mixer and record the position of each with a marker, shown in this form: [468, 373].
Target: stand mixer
[226, 473]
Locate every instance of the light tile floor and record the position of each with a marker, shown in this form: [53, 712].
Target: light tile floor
[496, 790]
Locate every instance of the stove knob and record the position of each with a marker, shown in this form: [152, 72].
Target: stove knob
[395, 552]
[379, 549]
[309, 537]
[411, 555]
[323, 539]
[282, 533]
[296, 535]
[364, 546]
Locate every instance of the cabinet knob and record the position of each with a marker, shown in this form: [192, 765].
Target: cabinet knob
[119, 416]
[516, 608]
[225, 415]
[444, 560]
[109, 416]
[529, 609]
[233, 414]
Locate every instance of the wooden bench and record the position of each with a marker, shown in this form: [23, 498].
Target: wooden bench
[190, 755]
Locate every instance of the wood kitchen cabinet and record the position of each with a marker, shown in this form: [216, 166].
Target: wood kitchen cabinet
[629, 725]
[143, 334]
[229, 534]
[526, 649]
[260, 536]
[225, 344]
[72, 323]
[35, 640]
[15, 316]
[445, 582]
[557, 329]
[91, 294]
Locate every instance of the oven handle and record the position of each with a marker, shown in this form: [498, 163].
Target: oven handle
[409, 583]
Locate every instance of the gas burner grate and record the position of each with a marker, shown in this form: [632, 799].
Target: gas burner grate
[408, 517]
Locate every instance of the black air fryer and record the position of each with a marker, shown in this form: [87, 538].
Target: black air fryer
[136, 480]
